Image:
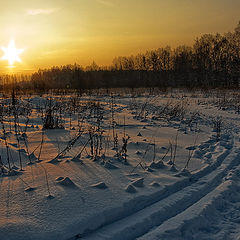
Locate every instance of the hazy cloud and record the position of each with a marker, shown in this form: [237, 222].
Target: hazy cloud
[108, 3]
[39, 11]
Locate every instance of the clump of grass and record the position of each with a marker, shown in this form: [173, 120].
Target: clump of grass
[217, 126]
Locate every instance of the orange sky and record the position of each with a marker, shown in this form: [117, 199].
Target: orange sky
[59, 32]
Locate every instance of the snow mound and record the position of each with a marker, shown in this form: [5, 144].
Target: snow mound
[13, 172]
[29, 189]
[156, 165]
[184, 172]
[32, 157]
[190, 148]
[198, 154]
[67, 182]
[100, 185]
[170, 162]
[50, 196]
[155, 184]
[138, 182]
[130, 189]
[148, 169]
[59, 178]
[173, 168]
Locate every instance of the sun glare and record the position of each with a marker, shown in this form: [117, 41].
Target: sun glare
[11, 53]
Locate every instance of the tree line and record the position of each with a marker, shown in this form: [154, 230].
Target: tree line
[213, 61]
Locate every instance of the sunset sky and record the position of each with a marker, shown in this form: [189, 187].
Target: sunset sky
[59, 32]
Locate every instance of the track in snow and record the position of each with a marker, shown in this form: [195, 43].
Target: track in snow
[164, 207]
[215, 216]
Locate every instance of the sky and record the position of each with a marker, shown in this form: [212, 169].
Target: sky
[59, 32]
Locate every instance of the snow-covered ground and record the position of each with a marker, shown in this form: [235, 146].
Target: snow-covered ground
[180, 178]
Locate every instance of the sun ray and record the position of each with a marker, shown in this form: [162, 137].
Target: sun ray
[11, 53]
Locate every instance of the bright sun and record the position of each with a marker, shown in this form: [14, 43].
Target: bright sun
[11, 53]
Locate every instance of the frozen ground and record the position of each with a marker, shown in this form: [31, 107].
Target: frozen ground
[67, 195]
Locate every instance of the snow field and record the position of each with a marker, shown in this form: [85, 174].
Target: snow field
[74, 196]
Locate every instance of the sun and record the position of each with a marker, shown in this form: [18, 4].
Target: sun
[11, 53]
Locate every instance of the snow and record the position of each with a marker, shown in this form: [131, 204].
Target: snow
[152, 194]
[100, 185]
[65, 181]
[130, 188]
[138, 182]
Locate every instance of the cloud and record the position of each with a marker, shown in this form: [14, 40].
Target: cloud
[40, 11]
[108, 3]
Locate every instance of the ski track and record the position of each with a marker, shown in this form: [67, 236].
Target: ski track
[214, 216]
[144, 215]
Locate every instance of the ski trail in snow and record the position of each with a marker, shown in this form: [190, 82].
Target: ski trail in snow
[215, 216]
[159, 210]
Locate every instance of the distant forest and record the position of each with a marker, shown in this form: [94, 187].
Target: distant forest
[212, 62]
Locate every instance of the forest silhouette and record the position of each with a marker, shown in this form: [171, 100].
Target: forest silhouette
[212, 62]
